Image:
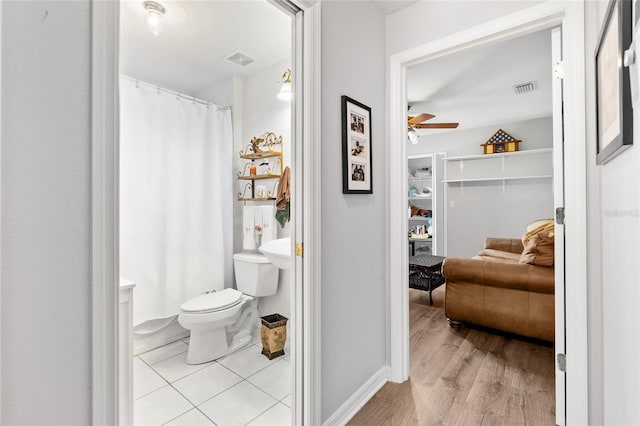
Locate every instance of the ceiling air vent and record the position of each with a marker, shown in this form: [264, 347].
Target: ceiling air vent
[240, 59]
[522, 88]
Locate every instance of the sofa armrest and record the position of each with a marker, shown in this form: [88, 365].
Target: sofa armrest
[512, 245]
[517, 276]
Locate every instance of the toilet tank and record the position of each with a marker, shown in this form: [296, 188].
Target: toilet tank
[255, 274]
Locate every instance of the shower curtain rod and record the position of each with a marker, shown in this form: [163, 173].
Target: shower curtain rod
[138, 82]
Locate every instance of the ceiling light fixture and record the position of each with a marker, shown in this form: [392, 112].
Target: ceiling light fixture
[155, 14]
[412, 135]
[285, 93]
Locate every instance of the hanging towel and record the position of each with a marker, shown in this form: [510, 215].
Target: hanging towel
[284, 194]
[248, 228]
[257, 220]
[269, 230]
[283, 198]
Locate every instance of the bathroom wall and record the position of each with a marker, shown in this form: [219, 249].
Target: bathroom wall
[256, 110]
[263, 112]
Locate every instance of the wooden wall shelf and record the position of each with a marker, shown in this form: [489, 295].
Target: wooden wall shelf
[257, 199]
[263, 144]
[259, 177]
[260, 155]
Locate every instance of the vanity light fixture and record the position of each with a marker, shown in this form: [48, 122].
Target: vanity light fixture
[285, 93]
[155, 13]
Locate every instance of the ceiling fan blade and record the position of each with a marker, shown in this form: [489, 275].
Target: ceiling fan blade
[420, 118]
[437, 126]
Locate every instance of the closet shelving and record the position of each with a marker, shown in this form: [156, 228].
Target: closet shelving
[422, 243]
[263, 148]
[500, 167]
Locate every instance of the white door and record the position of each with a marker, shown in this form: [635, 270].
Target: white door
[558, 203]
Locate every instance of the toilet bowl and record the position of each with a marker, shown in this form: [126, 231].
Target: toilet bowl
[221, 322]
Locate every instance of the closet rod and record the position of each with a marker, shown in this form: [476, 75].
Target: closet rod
[173, 92]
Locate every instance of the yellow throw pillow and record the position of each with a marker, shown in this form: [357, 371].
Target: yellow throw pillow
[542, 225]
[539, 250]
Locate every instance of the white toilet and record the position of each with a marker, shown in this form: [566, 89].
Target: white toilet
[221, 322]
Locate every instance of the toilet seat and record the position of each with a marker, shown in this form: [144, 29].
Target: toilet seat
[212, 302]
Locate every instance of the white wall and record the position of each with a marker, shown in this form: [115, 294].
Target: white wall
[353, 242]
[475, 211]
[256, 110]
[425, 21]
[263, 112]
[614, 294]
[535, 134]
[220, 92]
[46, 213]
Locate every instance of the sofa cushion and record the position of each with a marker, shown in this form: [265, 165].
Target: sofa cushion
[539, 250]
[498, 256]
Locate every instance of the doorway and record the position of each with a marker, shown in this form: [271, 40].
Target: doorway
[545, 16]
[105, 336]
[488, 196]
[206, 125]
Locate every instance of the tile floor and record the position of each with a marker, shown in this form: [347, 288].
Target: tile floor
[243, 388]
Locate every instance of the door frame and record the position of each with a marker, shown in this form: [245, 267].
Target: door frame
[104, 213]
[570, 16]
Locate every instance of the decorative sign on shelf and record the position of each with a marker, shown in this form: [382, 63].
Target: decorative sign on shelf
[501, 141]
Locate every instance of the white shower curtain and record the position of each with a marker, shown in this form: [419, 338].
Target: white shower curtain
[176, 198]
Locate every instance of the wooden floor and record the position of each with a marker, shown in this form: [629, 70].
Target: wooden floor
[465, 377]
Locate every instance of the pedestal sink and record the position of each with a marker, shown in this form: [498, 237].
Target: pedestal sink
[278, 252]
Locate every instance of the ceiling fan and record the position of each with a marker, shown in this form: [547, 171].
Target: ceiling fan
[417, 122]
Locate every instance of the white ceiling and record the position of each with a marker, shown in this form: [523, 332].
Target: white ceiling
[389, 6]
[188, 53]
[475, 86]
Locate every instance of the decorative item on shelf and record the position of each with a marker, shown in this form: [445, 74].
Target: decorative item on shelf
[255, 145]
[417, 211]
[422, 173]
[273, 334]
[425, 192]
[264, 168]
[263, 149]
[501, 141]
[421, 232]
[263, 146]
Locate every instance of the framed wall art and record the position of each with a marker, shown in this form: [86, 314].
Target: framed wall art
[356, 147]
[614, 112]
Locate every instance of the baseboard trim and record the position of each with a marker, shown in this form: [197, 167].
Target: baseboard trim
[352, 405]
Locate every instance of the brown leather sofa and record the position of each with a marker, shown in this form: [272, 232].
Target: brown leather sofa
[494, 290]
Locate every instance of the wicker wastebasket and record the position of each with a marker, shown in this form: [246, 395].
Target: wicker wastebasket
[274, 335]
